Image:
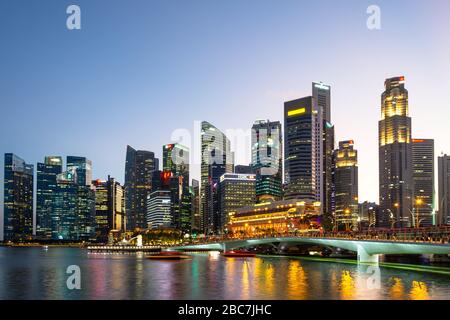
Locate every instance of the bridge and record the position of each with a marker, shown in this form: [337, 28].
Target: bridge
[368, 250]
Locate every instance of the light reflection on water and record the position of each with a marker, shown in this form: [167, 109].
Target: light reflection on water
[32, 273]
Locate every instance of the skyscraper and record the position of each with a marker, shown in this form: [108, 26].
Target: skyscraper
[195, 209]
[346, 186]
[235, 191]
[302, 149]
[444, 189]
[243, 169]
[47, 173]
[18, 199]
[83, 168]
[139, 168]
[322, 99]
[159, 209]
[65, 207]
[109, 208]
[395, 156]
[176, 162]
[215, 161]
[423, 181]
[267, 160]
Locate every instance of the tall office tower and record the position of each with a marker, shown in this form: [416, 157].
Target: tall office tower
[395, 156]
[346, 186]
[85, 213]
[109, 208]
[73, 208]
[83, 167]
[195, 209]
[176, 160]
[322, 100]
[444, 189]
[18, 199]
[267, 160]
[216, 160]
[368, 212]
[139, 169]
[47, 173]
[302, 149]
[242, 169]
[423, 181]
[159, 209]
[235, 191]
[64, 207]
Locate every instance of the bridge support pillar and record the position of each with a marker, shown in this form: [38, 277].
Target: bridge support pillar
[365, 257]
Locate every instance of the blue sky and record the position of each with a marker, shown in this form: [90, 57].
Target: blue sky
[137, 70]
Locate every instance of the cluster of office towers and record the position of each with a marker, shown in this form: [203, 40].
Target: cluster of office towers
[301, 163]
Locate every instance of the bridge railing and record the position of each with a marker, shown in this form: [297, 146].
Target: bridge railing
[422, 235]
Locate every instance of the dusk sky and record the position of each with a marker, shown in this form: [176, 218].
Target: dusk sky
[138, 70]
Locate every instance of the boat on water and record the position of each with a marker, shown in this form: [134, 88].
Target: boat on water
[238, 254]
[168, 255]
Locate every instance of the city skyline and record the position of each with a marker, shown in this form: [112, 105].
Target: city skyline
[262, 100]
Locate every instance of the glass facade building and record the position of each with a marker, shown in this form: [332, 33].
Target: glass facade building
[423, 180]
[47, 173]
[18, 199]
[216, 160]
[302, 145]
[346, 186]
[139, 168]
[235, 191]
[322, 100]
[159, 209]
[109, 208]
[395, 156]
[267, 160]
[444, 189]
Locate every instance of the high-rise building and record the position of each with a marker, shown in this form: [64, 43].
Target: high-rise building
[47, 173]
[346, 186]
[159, 209]
[267, 160]
[302, 149]
[216, 160]
[368, 212]
[65, 207]
[444, 189]
[18, 199]
[235, 191]
[176, 160]
[176, 163]
[195, 209]
[139, 169]
[85, 213]
[322, 99]
[243, 169]
[395, 156]
[109, 208]
[423, 181]
[83, 168]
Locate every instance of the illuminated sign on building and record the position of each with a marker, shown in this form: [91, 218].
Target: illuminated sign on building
[296, 112]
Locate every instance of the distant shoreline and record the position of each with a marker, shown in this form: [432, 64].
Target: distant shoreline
[38, 245]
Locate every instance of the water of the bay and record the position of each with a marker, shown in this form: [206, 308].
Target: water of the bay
[35, 273]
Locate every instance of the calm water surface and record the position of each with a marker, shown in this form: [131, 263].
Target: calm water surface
[33, 273]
